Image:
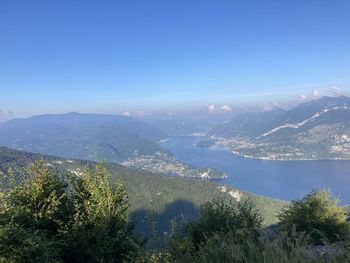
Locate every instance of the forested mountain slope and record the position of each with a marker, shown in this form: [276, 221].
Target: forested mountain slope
[167, 196]
[84, 136]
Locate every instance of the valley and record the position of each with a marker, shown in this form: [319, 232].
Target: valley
[98, 137]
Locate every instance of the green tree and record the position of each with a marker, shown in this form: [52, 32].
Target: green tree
[32, 214]
[18, 244]
[221, 215]
[46, 219]
[101, 231]
[319, 216]
[223, 232]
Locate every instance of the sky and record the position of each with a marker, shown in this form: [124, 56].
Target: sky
[146, 56]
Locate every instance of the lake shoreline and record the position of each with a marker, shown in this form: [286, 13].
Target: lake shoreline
[286, 160]
[202, 144]
[280, 179]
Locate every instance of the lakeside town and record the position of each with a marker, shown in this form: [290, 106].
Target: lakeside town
[165, 163]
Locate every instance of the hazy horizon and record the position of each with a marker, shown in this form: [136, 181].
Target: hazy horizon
[154, 58]
[200, 112]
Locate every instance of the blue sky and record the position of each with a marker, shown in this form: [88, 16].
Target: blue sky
[116, 56]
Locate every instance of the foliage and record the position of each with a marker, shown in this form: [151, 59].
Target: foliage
[18, 244]
[318, 215]
[41, 203]
[151, 192]
[48, 220]
[222, 215]
[230, 232]
[101, 218]
[218, 218]
[50, 215]
[245, 247]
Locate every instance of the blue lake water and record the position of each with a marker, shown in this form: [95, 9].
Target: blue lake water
[285, 180]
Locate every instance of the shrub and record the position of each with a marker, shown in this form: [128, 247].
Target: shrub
[44, 219]
[221, 215]
[319, 216]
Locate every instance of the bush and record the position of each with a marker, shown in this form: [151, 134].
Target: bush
[319, 216]
[18, 244]
[222, 215]
[45, 219]
[232, 232]
[218, 219]
[249, 249]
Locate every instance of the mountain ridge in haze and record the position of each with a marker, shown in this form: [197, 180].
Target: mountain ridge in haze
[81, 135]
[318, 129]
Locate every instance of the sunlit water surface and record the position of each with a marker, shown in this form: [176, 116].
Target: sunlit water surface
[280, 179]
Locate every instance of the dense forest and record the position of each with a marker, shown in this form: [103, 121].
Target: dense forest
[47, 217]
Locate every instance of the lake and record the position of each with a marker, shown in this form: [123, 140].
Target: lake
[285, 180]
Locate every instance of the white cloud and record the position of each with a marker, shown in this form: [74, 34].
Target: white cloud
[5, 115]
[126, 114]
[302, 97]
[226, 108]
[211, 109]
[336, 91]
[315, 94]
[141, 113]
[268, 106]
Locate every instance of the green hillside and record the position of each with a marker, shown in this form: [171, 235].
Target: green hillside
[97, 137]
[167, 196]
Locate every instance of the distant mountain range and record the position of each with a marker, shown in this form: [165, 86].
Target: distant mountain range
[182, 126]
[98, 137]
[84, 136]
[312, 130]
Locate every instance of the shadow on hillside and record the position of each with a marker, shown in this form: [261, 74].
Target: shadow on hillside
[175, 210]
